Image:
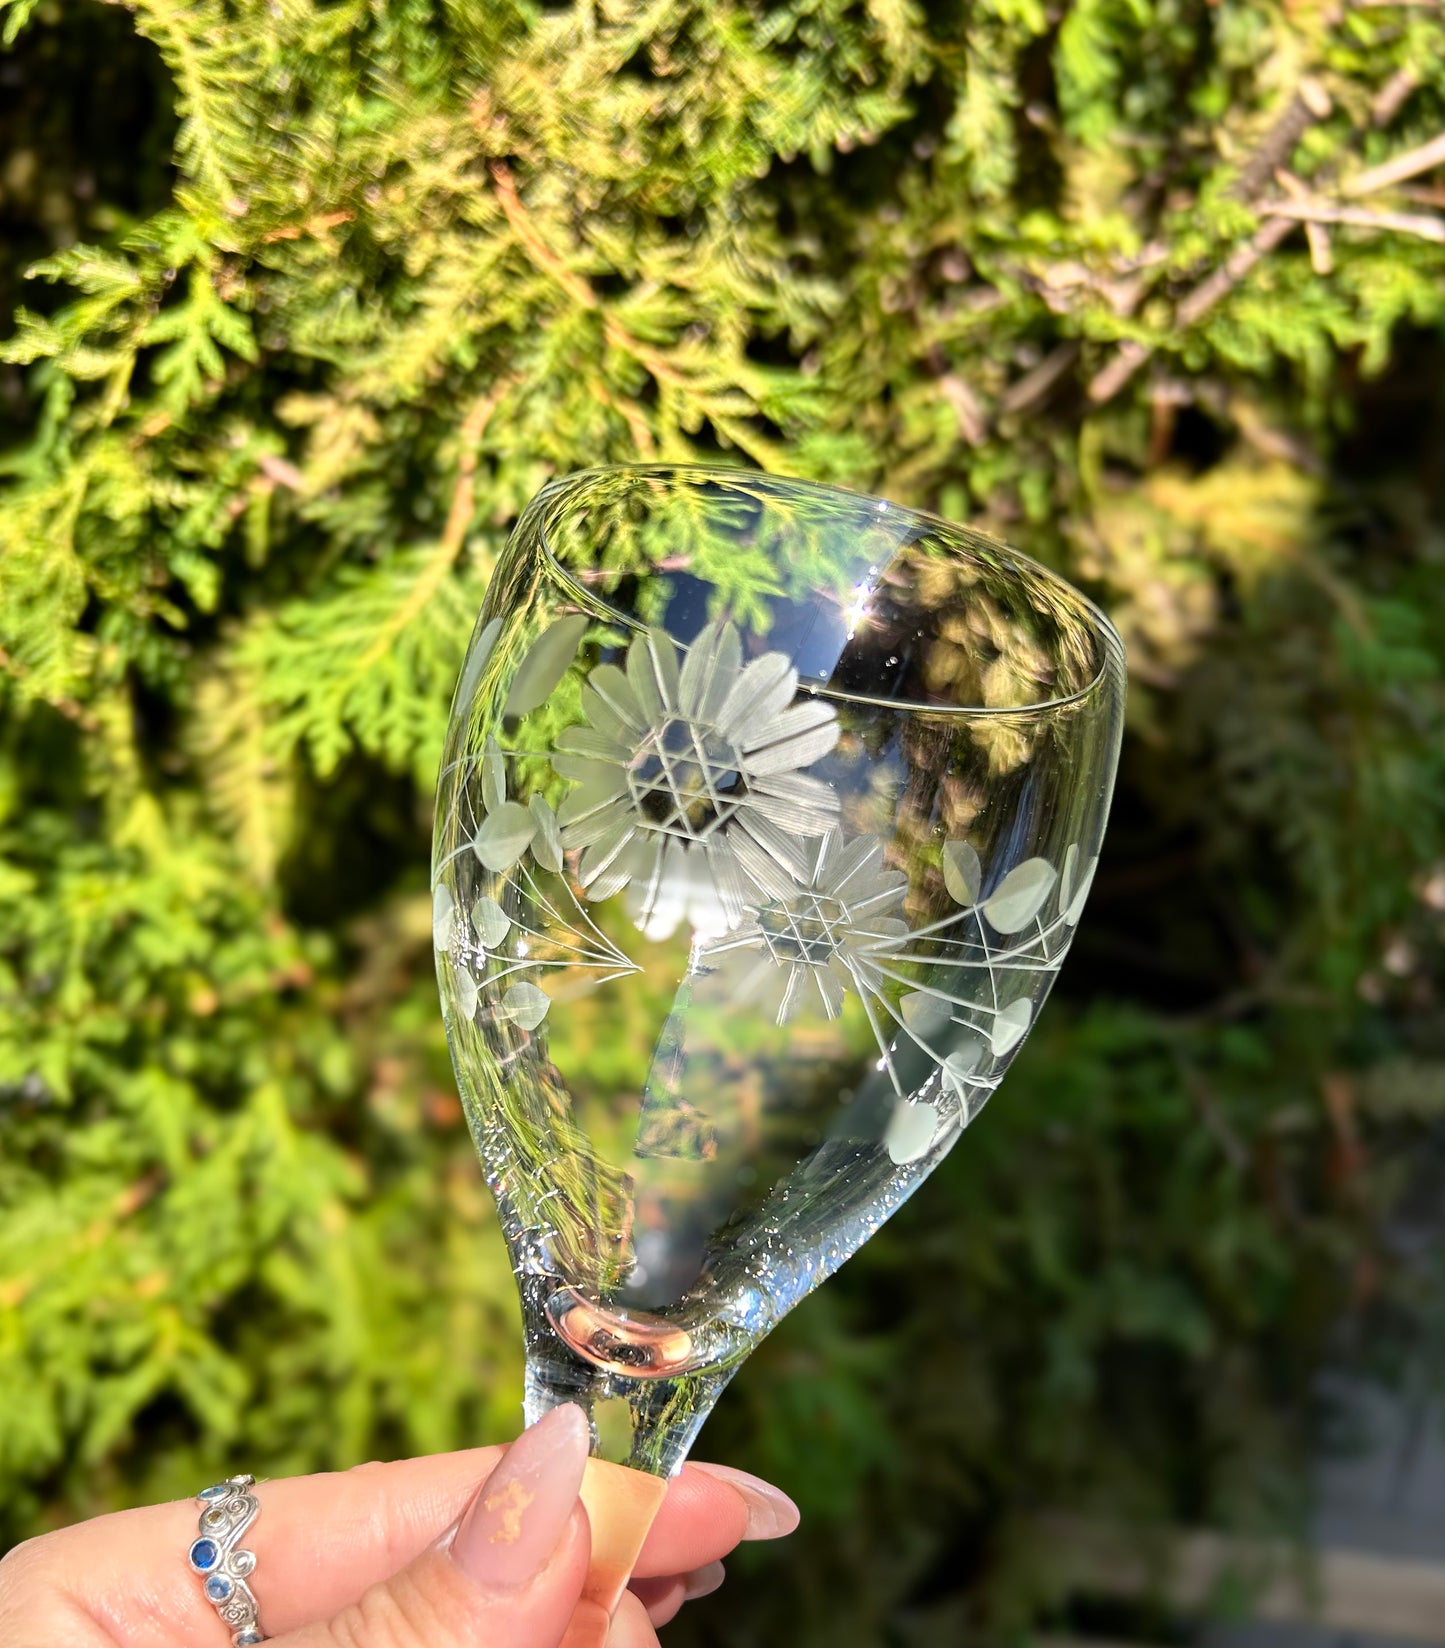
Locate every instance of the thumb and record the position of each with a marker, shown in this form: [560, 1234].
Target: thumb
[509, 1574]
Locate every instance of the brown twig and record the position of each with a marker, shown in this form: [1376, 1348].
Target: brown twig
[1359, 217]
[1322, 258]
[281, 472]
[1409, 164]
[1391, 96]
[967, 408]
[1310, 104]
[1034, 386]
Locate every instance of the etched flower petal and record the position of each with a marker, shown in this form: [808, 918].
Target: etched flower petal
[763, 844]
[490, 922]
[727, 878]
[663, 649]
[601, 853]
[642, 677]
[597, 824]
[525, 1004]
[793, 993]
[545, 664]
[1010, 1026]
[611, 686]
[796, 738]
[504, 836]
[698, 669]
[764, 688]
[602, 718]
[547, 844]
[1019, 897]
[587, 769]
[795, 802]
[604, 787]
[666, 893]
[729, 667]
[830, 992]
[587, 741]
[443, 916]
[633, 861]
[962, 873]
[855, 863]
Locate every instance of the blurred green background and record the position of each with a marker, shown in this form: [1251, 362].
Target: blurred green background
[307, 301]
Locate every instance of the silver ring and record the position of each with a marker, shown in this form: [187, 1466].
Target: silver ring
[228, 1510]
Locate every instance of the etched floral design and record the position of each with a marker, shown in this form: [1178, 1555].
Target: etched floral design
[818, 927]
[691, 799]
[682, 765]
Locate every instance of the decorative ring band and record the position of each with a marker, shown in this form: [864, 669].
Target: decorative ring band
[228, 1510]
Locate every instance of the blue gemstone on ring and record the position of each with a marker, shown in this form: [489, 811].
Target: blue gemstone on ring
[247, 1639]
[218, 1587]
[205, 1554]
[220, 1491]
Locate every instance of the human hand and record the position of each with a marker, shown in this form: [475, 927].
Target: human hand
[482, 1549]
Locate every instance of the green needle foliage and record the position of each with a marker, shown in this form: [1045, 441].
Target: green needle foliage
[1154, 288]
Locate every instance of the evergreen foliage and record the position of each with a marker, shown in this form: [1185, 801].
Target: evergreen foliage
[1154, 288]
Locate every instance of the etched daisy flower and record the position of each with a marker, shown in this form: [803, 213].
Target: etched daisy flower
[820, 929]
[680, 766]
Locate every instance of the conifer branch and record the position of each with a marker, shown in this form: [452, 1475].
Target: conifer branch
[459, 519]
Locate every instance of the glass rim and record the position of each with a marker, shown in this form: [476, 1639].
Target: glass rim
[1106, 637]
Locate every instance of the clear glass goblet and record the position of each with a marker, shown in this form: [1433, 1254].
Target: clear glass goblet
[766, 816]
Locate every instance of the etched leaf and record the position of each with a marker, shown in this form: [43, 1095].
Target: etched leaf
[960, 1065]
[504, 836]
[494, 777]
[1010, 1026]
[547, 844]
[481, 651]
[490, 922]
[526, 1004]
[910, 1131]
[466, 993]
[1067, 874]
[545, 664]
[443, 916]
[1019, 897]
[962, 872]
[1076, 904]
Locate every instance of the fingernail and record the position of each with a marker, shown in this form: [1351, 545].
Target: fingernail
[771, 1514]
[517, 1518]
[703, 1581]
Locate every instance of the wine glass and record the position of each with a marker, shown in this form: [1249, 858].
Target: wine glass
[766, 815]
